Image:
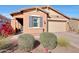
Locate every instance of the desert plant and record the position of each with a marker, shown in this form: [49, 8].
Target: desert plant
[26, 42]
[48, 40]
[1, 37]
[7, 43]
[63, 41]
[77, 31]
[6, 29]
[4, 43]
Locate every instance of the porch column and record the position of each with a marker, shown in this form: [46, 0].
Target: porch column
[13, 23]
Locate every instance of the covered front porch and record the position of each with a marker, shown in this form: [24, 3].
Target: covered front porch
[18, 25]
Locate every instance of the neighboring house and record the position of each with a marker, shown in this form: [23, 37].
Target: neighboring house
[74, 24]
[39, 19]
[3, 19]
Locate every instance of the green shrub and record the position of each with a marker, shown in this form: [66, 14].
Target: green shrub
[1, 37]
[48, 40]
[5, 43]
[26, 42]
[77, 31]
[62, 41]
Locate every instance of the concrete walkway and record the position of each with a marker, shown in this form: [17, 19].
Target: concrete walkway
[72, 37]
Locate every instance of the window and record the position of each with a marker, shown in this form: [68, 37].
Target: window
[35, 21]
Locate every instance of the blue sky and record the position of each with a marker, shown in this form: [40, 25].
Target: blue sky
[69, 10]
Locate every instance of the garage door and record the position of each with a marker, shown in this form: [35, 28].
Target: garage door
[56, 26]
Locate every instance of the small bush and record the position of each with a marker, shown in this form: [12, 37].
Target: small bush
[26, 42]
[62, 41]
[77, 31]
[1, 37]
[7, 43]
[48, 40]
[6, 29]
[4, 43]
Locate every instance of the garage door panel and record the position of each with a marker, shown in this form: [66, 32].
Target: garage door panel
[56, 26]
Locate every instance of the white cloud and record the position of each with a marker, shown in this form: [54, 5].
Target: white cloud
[6, 15]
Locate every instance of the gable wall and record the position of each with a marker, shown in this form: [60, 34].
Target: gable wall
[55, 16]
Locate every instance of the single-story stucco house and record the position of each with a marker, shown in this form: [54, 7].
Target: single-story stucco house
[39, 19]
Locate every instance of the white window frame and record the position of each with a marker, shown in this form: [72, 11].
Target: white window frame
[37, 21]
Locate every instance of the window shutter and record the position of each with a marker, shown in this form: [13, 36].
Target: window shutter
[30, 21]
[41, 21]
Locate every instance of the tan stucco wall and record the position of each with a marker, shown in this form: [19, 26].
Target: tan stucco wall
[54, 14]
[34, 31]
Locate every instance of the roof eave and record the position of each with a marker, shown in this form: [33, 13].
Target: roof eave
[22, 11]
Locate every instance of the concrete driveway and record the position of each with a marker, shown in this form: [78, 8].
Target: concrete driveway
[72, 37]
